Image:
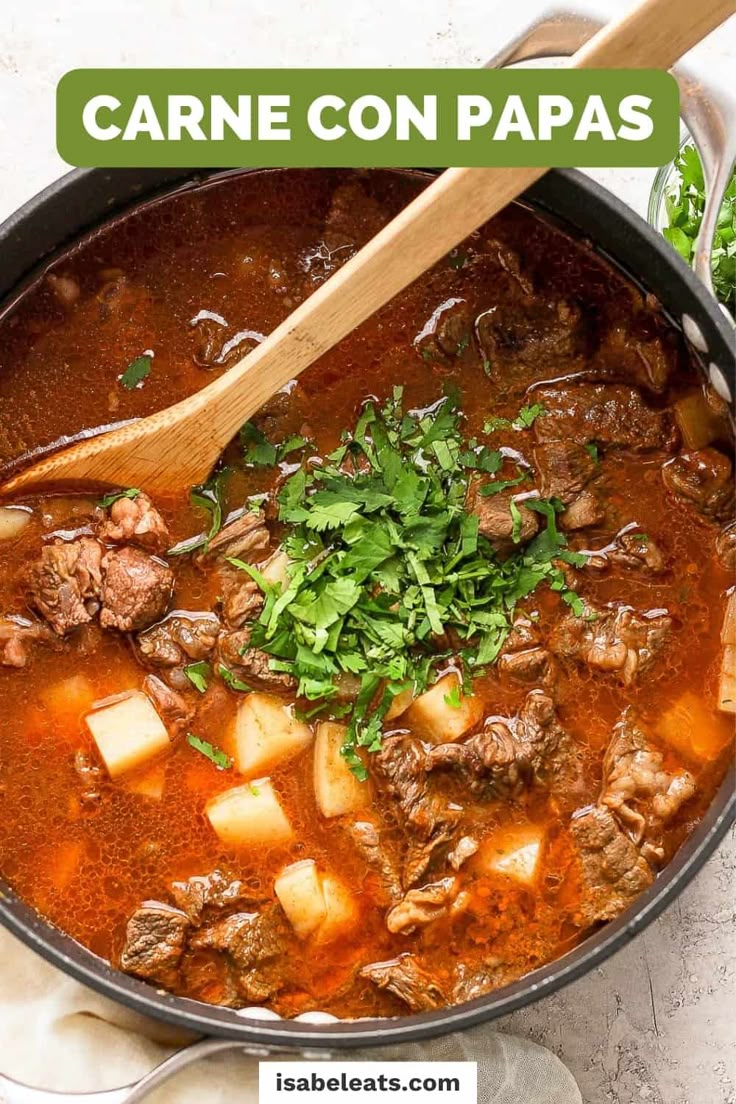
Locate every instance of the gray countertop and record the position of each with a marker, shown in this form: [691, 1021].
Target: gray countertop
[657, 1023]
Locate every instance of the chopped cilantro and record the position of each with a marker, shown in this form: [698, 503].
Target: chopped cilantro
[501, 485]
[138, 370]
[215, 755]
[208, 497]
[386, 561]
[199, 675]
[685, 206]
[516, 519]
[592, 449]
[523, 420]
[232, 681]
[131, 492]
[453, 699]
[258, 450]
[528, 415]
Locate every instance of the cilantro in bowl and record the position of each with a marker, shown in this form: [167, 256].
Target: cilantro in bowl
[684, 208]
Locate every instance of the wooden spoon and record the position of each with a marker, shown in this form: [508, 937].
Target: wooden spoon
[178, 447]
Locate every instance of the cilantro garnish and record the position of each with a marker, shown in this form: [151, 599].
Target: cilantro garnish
[138, 370]
[453, 699]
[386, 561]
[199, 675]
[528, 415]
[258, 450]
[209, 497]
[525, 419]
[231, 680]
[215, 755]
[131, 492]
[685, 206]
[592, 449]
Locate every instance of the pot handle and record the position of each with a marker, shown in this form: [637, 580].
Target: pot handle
[710, 113]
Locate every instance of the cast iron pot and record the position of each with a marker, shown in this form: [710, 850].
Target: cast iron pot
[82, 200]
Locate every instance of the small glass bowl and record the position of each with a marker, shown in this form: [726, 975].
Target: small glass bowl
[665, 183]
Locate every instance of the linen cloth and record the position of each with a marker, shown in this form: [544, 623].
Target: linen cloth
[57, 1034]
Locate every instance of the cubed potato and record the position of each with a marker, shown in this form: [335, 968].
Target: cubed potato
[274, 569]
[69, 699]
[341, 910]
[400, 704]
[266, 733]
[149, 783]
[128, 732]
[249, 815]
[697, 421]
[727, 681]
[434, 719]
[336, 788]
[299, 890]
[515, 852]
[13, 520]
[728, 629]
[692, 729]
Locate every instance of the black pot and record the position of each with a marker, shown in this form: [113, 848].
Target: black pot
[85, 198]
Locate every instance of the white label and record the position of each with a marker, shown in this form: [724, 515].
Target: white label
[368, 1082]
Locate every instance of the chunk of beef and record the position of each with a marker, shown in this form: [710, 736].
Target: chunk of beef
[155, 939]
[495, 520]
[524, 634]
[583, 512]
[65, 584]
[250, 665]
[202, 893]
[17, 637]
[254, 944]
[474, 983]
[463, 850]
[136, 589]
[565, 469]
[406, 979]
[367, 839]
[446, 332]
[614, 871]
[244, 538]
[527, 331]
[422, 906]
[135, 521]
[242, 598]
[173, 709]
[636, 786]
[630, 549]
[614, 638]
[427, 818]
[705, 479]
[533, 665]
[726, 547]
[178, 639]
[508, 755]
[639, 349]
[353, 213]
[610, 413]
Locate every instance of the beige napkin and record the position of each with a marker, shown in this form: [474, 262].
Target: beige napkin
[57, 1034]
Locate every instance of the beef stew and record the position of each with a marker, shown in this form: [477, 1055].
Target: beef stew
[433, 675]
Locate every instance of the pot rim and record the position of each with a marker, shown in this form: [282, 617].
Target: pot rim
[559, 194]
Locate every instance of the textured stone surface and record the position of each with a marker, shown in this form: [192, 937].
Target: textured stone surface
[657, 1023]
